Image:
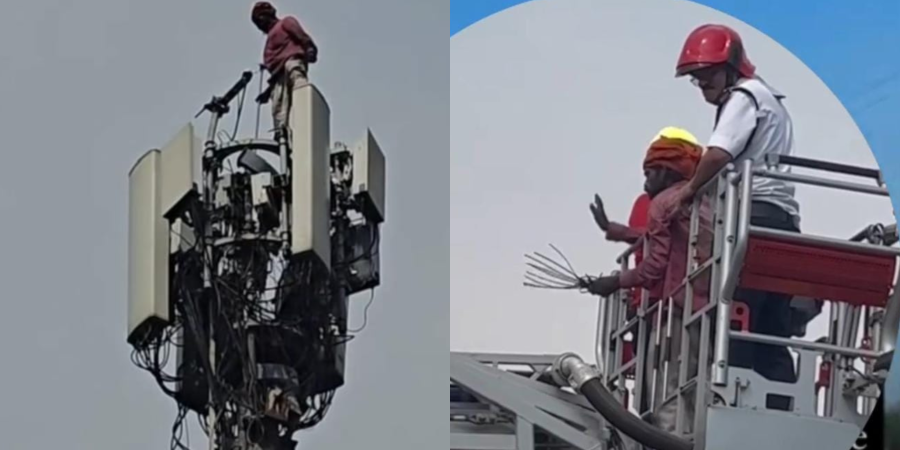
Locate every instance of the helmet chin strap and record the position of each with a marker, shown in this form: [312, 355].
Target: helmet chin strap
[731, 80]
[732, 77]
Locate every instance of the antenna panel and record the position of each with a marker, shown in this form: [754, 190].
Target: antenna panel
[369, 177]
[179, 159]
[310, 175]
[148, 249]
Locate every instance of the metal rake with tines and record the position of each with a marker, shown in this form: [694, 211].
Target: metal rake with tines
[546, 273]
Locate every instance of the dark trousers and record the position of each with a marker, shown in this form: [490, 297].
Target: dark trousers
[770, 314]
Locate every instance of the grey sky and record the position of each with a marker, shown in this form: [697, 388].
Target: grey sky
[556, 100]
[87, 87]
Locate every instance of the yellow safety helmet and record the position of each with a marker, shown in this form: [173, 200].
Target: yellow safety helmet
[676, 133]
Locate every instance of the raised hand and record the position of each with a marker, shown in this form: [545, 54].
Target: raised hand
[599, 213]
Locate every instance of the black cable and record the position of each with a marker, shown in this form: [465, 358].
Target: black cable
[178, 429]
[370, 253]
[365, 313]
[240, 110]
[300, 307]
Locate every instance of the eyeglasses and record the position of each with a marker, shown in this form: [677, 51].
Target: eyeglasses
[702, 81]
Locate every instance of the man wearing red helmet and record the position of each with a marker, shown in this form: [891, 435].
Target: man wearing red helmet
[751, 123]
[288, 52]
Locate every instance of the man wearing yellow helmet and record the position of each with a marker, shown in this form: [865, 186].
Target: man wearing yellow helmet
[637, 222]
[670, 162]
[676, 133]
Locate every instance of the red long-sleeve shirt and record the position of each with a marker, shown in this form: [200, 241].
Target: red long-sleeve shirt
[637, 226]
[639, 211]
[286, 39]
[668, 243]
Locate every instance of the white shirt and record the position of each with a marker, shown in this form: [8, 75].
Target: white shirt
[772, 134]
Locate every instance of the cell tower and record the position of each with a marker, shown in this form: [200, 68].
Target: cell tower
[241, 266]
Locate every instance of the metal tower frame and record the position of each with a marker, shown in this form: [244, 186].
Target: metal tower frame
[258, 360]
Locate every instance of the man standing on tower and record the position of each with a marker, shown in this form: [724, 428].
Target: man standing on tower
[288, 53]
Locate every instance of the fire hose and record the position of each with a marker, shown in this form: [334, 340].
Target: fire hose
[570, 369]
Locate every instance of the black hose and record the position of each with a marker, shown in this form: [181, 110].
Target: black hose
[884, 361]
[648, 435]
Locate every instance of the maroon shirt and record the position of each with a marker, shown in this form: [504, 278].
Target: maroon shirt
[637, 226]
[668, 242]
[286, 40]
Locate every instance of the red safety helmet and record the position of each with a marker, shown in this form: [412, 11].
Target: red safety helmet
[710, 45]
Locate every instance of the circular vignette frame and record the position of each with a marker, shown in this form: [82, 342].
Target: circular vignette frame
[849, 45]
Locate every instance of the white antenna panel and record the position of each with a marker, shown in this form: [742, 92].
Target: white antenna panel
[369, 176]
[148, 249]
[179, 159]
[310, 174]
